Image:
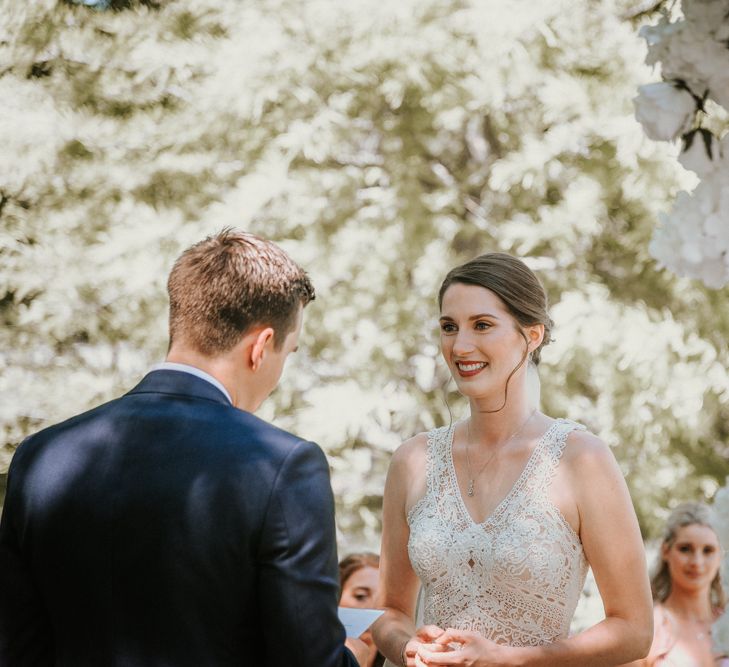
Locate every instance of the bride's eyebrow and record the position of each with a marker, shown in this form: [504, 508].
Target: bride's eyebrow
[481, 315]
[448, 318]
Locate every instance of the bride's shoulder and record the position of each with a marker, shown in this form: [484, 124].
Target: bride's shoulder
[408, 463]
[583, 448]
[413, 453]
[412, 449]
[592, 475]
[419, 444]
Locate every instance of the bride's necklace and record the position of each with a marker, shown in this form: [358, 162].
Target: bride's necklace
[473, 478]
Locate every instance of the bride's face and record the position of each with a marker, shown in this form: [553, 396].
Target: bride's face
[480, 340]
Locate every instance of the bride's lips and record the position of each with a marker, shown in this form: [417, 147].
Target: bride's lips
[467, 369]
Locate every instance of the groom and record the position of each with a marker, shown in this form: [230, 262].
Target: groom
[171, 527]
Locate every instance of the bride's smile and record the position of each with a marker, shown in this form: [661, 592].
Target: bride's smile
[482, 343]
[495, 517]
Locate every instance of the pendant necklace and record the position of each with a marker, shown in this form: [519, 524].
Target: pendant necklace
[704, 627]
[472, 478]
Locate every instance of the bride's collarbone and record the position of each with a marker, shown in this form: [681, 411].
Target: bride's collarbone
[505, 477]
[491, 482]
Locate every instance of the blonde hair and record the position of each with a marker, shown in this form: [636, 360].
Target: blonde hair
[686, 514]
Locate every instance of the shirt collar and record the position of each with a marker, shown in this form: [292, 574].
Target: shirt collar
[193, 370]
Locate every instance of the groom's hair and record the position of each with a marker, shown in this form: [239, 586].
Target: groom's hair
[221, 287]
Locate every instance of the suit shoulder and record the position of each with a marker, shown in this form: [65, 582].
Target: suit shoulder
[36, 440]
[269, 433]
[264, 441]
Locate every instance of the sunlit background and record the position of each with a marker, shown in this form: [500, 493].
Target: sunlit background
[380, 144]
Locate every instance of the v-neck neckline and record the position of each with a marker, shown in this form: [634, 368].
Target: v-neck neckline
[514, 487]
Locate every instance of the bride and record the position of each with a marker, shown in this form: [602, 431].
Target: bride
[498, 516]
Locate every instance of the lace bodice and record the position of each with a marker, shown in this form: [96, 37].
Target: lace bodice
[516, 577]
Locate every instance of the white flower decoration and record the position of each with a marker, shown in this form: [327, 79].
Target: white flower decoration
[720, 515]
[693, 239]
[693, 53]
[664, 110]
[708, 17]
[690, 52]
[700, 153]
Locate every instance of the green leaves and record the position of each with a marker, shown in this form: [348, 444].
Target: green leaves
[380, 144]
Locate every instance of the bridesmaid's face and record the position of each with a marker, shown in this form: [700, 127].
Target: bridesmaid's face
[360, 589]
[480, 340]
[694, 558]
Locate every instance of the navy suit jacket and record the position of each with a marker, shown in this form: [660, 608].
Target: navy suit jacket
[168, 528]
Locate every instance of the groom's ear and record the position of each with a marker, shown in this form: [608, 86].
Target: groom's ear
[262, 340]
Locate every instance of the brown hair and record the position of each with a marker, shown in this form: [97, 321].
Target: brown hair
[514, 283]
[229, 282]
[686, 514]
[350, 564]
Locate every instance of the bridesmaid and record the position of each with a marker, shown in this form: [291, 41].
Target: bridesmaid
[358, 580]
[687, 591]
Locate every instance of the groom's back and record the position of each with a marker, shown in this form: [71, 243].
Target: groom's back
[143, 520]
[170, 528]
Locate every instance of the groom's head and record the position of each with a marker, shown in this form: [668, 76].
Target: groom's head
[230, 283]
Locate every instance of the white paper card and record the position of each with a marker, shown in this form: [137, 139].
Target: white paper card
[356, 621]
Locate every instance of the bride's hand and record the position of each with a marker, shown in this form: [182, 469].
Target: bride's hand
[463, 648]
[423, 635]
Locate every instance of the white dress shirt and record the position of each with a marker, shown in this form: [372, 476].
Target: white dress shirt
[192, 370]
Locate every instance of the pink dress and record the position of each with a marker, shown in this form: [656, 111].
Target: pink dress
[666, 652]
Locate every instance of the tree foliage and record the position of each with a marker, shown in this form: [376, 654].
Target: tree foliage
[380, 143]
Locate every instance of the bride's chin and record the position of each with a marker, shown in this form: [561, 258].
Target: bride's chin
[471, 390]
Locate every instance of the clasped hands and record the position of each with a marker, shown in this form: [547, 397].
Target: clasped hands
[433, 646]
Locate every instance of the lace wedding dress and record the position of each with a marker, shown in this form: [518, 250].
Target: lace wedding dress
[516, 577]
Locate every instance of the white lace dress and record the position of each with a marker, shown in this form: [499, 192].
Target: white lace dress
[516, 577]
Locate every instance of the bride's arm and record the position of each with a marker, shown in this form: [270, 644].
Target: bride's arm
[399, 585]
[614, 548]
[612, 542]
[662, 640]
